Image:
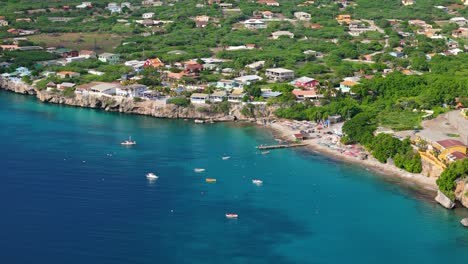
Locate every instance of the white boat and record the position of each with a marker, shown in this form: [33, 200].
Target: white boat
[199, 170]
[232, 216]
[226, 157]
[257, 182]
[199, 121]
[128, 142]
[151, 176]
[265, 152]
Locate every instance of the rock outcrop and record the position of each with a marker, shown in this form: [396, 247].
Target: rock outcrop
[143, 107]
[464, 222]
[444, 200]
[461, 191]
[429, 169]
[17, 87]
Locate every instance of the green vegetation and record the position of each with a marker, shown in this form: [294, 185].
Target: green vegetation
[400, 120]
[447, 180]
[179, 101]
[99, 42]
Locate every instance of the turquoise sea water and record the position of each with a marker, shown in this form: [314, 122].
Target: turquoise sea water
[69, 193]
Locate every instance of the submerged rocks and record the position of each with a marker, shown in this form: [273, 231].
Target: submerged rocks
[464, 222]
[444, 200]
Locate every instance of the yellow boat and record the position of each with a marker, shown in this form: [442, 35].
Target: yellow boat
[210, 180]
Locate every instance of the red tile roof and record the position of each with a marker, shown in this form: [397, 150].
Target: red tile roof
[458, 155]
[447, 143]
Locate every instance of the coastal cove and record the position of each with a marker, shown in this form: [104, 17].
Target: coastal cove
[73, 194]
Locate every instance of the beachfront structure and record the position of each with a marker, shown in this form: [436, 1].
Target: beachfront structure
[302, 16]
[68, 74]
[279, 74]
[110, 58]
[218, 96]
[199, 98]
[133, 90]
[236, 96]
[305, 82]
[105, 88]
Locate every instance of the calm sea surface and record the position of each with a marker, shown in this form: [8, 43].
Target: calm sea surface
[69, 193]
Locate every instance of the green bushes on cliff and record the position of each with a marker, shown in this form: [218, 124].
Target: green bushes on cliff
[446, 181]
[179, 101]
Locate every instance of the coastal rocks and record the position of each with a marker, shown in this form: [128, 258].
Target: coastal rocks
[444, 200]
[464, 222]
[154, 108]
[429, 169]
[17, 87]
[461, 191]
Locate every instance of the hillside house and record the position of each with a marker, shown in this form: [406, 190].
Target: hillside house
[407, 2]
[3, 23]
[279, 74]
[84, 5]
[278, 34]
[302, 16]
[236, 96]
[254, 24]
[306, 94]
[248, 79]
[147, 15]
[68, 74]
[344, 18]
[460, 33]
[87, 54]
[305, 83]
[228, 84]
[345, 86]
[110, 58]
[155, 63]
[268, 2]
[66, 53]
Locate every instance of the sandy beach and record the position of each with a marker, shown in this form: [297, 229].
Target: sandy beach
[322, 141]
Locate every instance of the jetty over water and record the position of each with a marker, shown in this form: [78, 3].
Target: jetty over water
[281, 146]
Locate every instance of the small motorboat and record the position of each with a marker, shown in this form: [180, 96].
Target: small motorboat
[265, 152]
[257, 182]
[210, 180]
[232, 216]
[151, 176]
[199, 170]
[199, 121]
[226, 157]
[128, 142]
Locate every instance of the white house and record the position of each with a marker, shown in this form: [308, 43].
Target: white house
[248, 79]
[199, 98]
[218, 96]
[133, 90]
[84, 5]
[110, 58]
[105, 88]
[279, 74]
[254, 24]
[278, 34]
[114, 8]
[302, 16]
[147, 15]
[236, 96]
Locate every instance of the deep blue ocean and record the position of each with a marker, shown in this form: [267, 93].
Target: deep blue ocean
[70, 193]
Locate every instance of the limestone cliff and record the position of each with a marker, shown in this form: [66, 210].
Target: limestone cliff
[430, 170]
[144, 107]
[461, 191]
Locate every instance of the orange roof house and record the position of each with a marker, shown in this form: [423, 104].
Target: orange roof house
[155, 63]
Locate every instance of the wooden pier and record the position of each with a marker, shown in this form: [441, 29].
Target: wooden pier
[281, 146]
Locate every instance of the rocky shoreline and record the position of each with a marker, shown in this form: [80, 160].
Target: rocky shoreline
[144, 107]
[261, 114]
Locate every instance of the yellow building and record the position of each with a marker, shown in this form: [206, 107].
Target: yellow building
[449, 150]
[343, 19]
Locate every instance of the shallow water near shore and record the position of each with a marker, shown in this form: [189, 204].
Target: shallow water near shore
[70, 193]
